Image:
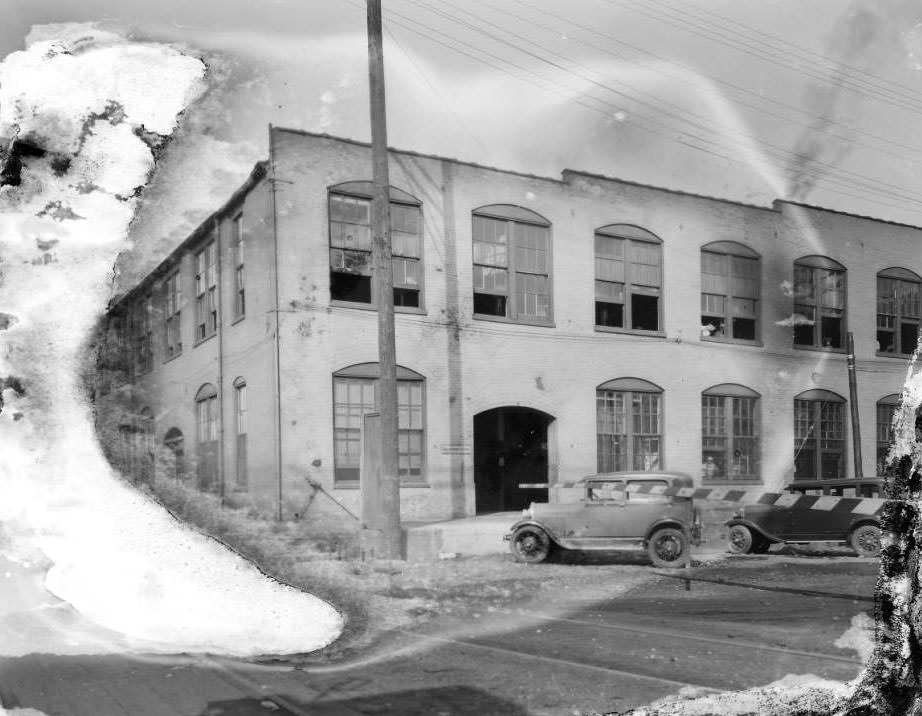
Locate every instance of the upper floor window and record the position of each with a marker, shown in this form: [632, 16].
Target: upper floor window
[172, 298]
[729, 292]
[628, 278]
[240, 306]
[143, 338]
[629, 425]
[355, 393]
[899, 308]
[351, 247]
[819, 303]
[729, 433]
[819, 436]
[206, 298]
[512, 260]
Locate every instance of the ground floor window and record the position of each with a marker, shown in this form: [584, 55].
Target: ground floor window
[206, 406]
[886, 412]
[355, 393]
[819, 436]
[629, 425]
[729, 433]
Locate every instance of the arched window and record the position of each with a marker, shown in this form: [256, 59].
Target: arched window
[629, 418]
[206, 409]
[819, 435]
[819, 303]
[512, 264]
[729, 292]
[355, 394]
[729, 433]
[176, 444]
[350, 244]
[240, 413]
[628, 278]
[899, 310]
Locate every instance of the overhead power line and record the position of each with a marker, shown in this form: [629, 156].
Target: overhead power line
[782, 157]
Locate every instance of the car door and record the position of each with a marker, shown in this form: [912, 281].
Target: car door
[643, 508]
[604, 509]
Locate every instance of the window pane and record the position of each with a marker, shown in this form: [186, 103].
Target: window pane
[645, 263]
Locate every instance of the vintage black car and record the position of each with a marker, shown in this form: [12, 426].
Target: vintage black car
[754, 528]
[612, 511]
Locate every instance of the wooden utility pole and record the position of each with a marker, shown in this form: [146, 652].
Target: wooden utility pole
[383, 514]
[853, 404]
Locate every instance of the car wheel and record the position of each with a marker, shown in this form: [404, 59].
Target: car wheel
[739, 540]
[666, 547]
[530, 544]
[865, 540]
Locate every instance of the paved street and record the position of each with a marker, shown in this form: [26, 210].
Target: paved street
[744, 622]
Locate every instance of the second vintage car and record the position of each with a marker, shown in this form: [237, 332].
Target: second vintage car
[754, 528]
[612, 511]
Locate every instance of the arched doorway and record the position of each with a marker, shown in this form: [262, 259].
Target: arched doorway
[510, 453]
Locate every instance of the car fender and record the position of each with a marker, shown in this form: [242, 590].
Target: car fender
[665, 522]
[864, 520]
[533, 523]
[754, 528]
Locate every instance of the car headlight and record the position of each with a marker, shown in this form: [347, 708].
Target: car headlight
[527, 514]
[740, 513]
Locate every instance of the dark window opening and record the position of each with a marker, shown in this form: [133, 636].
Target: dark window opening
[644, 313]
[346, 474]
[350, 287]
[744, 329]
[406, 297]
[803, 335]
[489, 305]
[610, 315]
[909, 335]
[831, 328]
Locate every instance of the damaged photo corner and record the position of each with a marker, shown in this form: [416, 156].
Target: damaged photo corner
[116, 149]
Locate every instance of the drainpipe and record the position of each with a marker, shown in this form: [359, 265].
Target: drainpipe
[278, 368]
[219, 289]
[858, 468]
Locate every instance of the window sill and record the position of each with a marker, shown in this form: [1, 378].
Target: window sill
[373, 307]
[357, 485]
[820, 349]
[899, 356]
[238, 319]
[513, 321]
[203, 340]
[730, 483]
[172, 357]
[630, 332]
[732, 341]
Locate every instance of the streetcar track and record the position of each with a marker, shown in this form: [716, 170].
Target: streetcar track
[766, 588]
[561, 662]
[706, 639]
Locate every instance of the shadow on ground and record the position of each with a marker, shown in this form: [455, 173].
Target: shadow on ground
[447, 700]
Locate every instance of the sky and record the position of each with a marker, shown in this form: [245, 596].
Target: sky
[810, 100]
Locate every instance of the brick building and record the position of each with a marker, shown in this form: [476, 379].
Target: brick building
[546, 329]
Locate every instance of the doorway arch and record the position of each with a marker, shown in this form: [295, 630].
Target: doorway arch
[511, 466]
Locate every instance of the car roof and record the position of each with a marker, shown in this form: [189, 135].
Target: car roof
[680, 478]
[845, 482]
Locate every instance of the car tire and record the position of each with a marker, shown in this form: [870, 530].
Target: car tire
[530, 544]
[739, 540]
[666, 547]
[865, 540]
